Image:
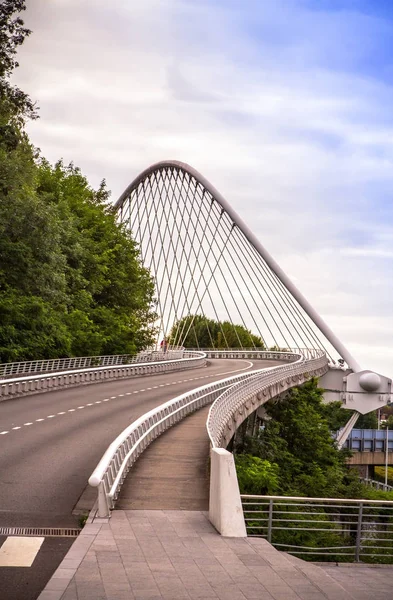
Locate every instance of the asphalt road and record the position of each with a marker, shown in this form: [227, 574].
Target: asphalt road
[50, 443]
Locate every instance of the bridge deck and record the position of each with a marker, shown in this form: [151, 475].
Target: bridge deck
[177, 555]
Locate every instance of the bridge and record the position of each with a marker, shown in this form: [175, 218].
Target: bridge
[206, 263]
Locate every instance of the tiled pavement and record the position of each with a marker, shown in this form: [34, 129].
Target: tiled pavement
[176, 555]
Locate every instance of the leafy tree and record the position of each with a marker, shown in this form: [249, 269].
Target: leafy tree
[71, 281]
[199, 331]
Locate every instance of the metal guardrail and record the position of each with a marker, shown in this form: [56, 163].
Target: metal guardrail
[81, 362]
[21, 386]
[112, 469]
[260, 353]
[377, 485]
[231, 401]
[336, 529]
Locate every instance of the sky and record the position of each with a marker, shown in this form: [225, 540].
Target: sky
[283, 105]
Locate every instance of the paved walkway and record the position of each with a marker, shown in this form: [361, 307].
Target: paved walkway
[173, 472]
[177, 555]
[172, 552]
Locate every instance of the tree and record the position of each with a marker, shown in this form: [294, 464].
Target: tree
[297, 437]
[199, 331]
[71, 280]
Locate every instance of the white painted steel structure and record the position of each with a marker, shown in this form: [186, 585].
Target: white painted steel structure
[207, 264]
[234, 405]
[80, 362]
[196, 245]
[124, 451]
[22, 386]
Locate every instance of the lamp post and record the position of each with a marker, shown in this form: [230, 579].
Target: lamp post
[386, 456]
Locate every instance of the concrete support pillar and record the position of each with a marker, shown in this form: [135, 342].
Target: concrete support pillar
[225, 508]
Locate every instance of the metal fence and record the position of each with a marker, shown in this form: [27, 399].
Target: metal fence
[327, 529]
[276, 380]
[81, 362]
[21, 386]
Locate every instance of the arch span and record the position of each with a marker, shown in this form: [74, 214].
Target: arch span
[206, 261]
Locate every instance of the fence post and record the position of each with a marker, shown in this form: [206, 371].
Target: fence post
[359, 533]
[103, 508]
[270, 522]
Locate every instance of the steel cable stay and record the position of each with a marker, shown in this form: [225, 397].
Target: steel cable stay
[259, 261]
[192, 273]
[238, 255]
[176, 260]
[247, 285]
[211, 246]
[258, 274]
[203, 277]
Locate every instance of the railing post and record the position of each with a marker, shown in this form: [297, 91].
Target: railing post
[270, 522]
[359, 533]
[103, 508]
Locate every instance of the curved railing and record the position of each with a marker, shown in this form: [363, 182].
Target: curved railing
[231, 407]
[21, 386]
[127, 447]
[81, 362]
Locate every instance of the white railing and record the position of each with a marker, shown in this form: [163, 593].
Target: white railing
[21, 386]
[255, 353]
[81, 362]
[124, 451]
[126, 448]
[231, 401]
[335, 529]
[377, 485]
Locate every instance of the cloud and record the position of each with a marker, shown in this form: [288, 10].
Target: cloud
[284, 107]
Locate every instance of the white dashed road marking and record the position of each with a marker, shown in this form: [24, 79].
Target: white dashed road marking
[19, 551]
[126, 394]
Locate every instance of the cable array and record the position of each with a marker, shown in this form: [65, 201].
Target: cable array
[204, 266]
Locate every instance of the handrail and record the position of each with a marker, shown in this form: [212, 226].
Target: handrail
[21, 386]
[125, 449]
[358, 528]
[77, 362]
[224, 409]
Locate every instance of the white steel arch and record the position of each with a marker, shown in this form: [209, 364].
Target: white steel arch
[203, 256]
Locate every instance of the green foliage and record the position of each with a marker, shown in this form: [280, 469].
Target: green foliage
[297, 438]
[256, 476]
[199, 331]
[71, 281]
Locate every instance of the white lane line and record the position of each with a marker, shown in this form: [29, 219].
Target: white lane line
[16, 428]
[50, 416]
[90, 404]
[135, 392]
[61, 413]
[106, 400]
[26, 424]
[128, 393]
[98, 402]
[3, 432]
[19, 551]
[79, 407]
[71, 410]
[113, 397]
[120, 396]
[39, 420]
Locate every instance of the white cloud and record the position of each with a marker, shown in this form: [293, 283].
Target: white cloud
[269, 105]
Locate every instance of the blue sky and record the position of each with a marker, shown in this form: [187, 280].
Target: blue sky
[284, 105]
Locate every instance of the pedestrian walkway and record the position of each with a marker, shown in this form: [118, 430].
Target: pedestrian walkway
[177, 555]
[160, 545]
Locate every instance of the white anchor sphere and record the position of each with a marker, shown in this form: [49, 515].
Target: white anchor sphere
[370, 381]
